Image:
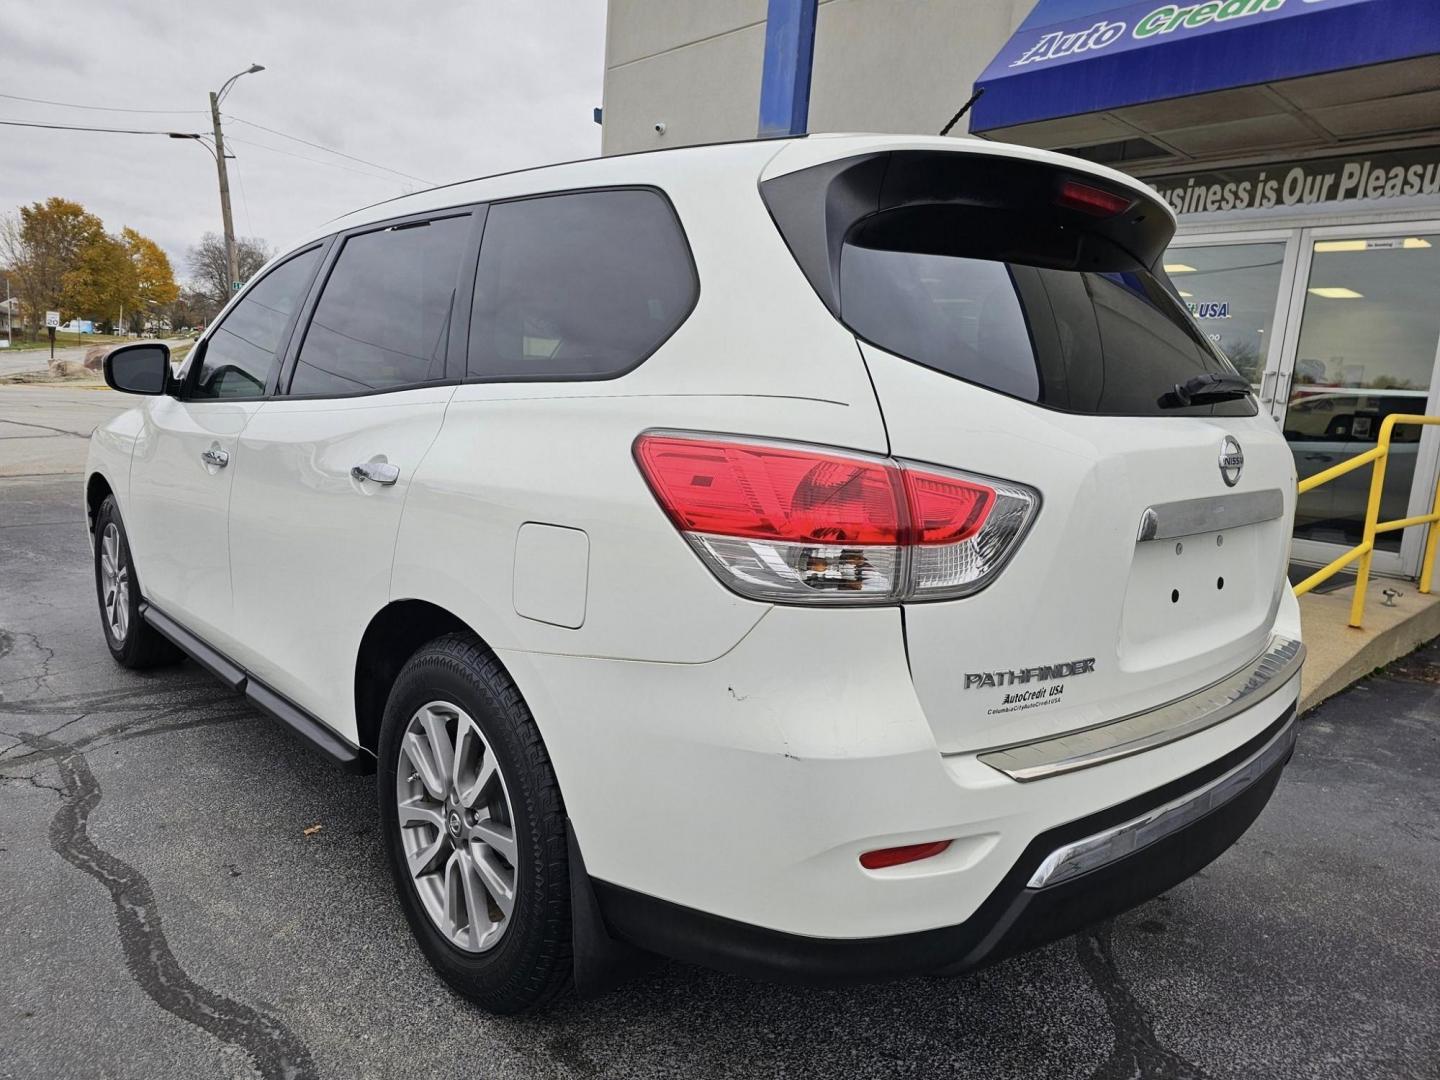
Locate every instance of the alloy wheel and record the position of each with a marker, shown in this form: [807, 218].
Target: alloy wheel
[456, 826]
[114, 584]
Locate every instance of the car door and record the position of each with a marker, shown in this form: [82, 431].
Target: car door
[329, 459]
[185, 457]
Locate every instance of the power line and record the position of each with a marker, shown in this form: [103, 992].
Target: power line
[98, 108]
[312, 161]
[329, 150]
[75, 127]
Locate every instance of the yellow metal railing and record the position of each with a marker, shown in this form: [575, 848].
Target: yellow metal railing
[1365, 550]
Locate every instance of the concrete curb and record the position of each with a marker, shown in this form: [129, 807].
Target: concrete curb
[1372, 649]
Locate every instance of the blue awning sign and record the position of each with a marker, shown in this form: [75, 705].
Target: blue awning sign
[1138, 25]
[1076, 56]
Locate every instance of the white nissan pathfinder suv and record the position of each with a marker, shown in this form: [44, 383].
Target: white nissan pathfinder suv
[824, 559]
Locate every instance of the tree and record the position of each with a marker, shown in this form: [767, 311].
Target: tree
[210, 270]
[190, 308]
[101, 282]
[155, 286]
[43, 243]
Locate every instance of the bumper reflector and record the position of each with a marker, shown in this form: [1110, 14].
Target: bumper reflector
[906, 853]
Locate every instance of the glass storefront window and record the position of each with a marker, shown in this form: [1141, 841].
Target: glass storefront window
[1367, 347]
[1232, 290]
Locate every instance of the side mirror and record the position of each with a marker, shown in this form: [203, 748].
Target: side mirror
[138, 369]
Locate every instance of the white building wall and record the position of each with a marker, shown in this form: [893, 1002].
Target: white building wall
[880, 65]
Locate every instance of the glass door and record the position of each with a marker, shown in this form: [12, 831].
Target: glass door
[1238, 288]
[1364, 333]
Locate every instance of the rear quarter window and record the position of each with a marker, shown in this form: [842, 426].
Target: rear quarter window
[583, 285]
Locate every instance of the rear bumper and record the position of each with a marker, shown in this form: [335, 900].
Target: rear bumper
[1091, 868]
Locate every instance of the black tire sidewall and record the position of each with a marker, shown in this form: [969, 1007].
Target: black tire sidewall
[502, 979]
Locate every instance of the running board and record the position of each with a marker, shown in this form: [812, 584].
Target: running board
[257, 693]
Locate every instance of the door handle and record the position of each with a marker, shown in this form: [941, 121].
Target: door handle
[215, 456]
[377, 472]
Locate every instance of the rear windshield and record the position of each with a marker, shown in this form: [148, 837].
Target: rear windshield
[1004, 272]
[1112, 341]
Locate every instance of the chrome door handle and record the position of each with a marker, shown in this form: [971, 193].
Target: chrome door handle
[377, 472]
[215, 456]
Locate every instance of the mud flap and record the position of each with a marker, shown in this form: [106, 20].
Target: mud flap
[601, 962]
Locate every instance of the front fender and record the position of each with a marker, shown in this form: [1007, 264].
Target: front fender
[112, 445]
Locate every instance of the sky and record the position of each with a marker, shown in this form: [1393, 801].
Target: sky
[440, 90]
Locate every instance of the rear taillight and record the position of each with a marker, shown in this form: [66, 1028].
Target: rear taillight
[799, 524]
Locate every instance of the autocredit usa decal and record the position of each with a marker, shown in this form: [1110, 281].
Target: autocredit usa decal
[1118, 28]
[1028, 688]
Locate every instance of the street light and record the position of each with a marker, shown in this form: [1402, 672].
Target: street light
[219, 152]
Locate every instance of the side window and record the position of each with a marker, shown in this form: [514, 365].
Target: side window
[383, 319]
[585, 285]
[240, 356]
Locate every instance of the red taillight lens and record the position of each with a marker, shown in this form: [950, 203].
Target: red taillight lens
[1092, 200]
[771, 493]
[907, 853]
[944, 510]
[811, 526]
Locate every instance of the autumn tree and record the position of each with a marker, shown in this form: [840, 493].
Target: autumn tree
[40, 245]
[155, 285]
[211, 271]
[101, 282]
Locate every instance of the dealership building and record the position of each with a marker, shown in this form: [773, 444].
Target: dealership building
[1298, 142]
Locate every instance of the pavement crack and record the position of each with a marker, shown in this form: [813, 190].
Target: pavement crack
[47, 427]
[277, 1053]
[1137, 1053]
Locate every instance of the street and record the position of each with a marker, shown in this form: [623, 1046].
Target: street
[12, 362]
[188, 891]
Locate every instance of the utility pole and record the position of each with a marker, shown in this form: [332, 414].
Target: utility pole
[232, 264]
[232, 269]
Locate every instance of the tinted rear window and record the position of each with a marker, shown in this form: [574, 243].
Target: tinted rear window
[583, 285]
[1110, 341]
[999, 271]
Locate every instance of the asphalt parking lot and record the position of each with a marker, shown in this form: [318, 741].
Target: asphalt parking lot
[186, 891]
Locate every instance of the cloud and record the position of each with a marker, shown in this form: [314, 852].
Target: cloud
[443, 90]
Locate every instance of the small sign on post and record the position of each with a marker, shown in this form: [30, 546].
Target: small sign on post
[52, 323]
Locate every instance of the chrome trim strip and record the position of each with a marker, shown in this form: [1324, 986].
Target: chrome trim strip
[1131, 836]
[1167, 521]
[1267, 674]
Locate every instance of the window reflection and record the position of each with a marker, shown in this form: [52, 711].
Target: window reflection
[1232, 290]
[1367, 347]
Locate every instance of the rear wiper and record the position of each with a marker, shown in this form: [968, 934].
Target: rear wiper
[1207, 389]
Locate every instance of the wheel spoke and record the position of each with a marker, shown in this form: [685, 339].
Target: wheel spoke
[497, 835]
[476, 909]
[499, 881]
[443, 750]
[426, 860]
[471, 791]
[454, 893]
[417, 812]
[418, 750]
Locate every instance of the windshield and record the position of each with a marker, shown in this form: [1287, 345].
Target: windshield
[1111, 341]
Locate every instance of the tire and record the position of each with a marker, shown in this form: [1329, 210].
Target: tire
[506, 961]
[132, 641]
